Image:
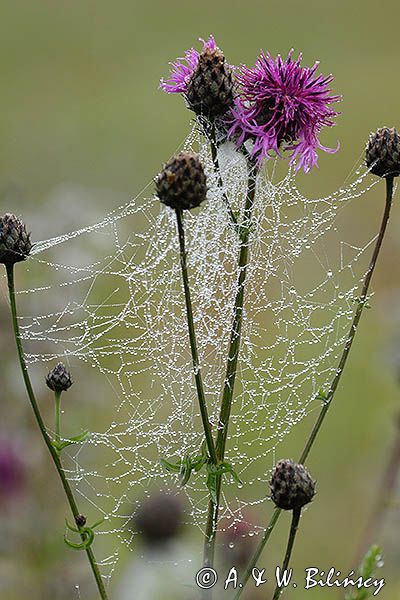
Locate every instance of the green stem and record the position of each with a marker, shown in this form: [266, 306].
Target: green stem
[233, 355]
[193, 342]
[292, 536]
[57, 404]
[46, 438]
[214, 155]
[339, 370]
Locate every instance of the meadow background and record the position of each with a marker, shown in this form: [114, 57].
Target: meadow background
[84, 127]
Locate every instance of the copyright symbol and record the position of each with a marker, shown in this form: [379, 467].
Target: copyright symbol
[206, 578]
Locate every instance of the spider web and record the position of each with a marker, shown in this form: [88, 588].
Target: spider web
[110, 297]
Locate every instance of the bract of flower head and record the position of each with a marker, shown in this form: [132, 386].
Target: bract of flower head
[182, 69]
[283, 105]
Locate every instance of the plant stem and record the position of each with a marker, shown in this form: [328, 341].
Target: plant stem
[214, 155]
[193, 341]
[292, 536]
[233, 355]
[57, 404]
[339, 370]
[46, 438]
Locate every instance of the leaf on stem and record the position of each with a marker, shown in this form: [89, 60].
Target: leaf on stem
[185, 470]
[70, 441]
[169, 466]
[212, 482]
[371, 562]
[226, 467]
[322, 396]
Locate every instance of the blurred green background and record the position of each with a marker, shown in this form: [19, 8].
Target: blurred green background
[80, 107]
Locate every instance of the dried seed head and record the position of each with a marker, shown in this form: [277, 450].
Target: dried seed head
[182, 183]
[80, 520]
[15, 243]
[382, 153]
[291, 485]
[210, 90]
[59, 379]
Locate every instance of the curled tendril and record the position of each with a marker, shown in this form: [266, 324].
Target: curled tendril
[86, 533]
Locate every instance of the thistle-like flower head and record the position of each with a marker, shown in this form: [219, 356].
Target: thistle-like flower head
[59, 379]
[283, 105]
[292, 486]
[182, 183]
[382, 154]
[15, 242]
[205, 79]
[183, 68]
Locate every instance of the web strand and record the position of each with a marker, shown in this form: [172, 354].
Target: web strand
[122, 313]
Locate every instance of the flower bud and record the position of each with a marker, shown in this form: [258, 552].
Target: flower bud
[291, 485]
[59, 379]
[182, 183]
[80, 520]
[15, 244]
[382, 153]
[210, 90]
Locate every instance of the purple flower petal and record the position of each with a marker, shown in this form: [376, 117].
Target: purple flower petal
[183, 68]
[283, 103]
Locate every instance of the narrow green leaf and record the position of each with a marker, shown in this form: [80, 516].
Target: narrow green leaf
[70, 441]
[203, 450]
[198, 463]
[212, 486]
[169, 466]
[79, 438]
[186, 470]
[99, 522]
[322, 396]
[226, 467]
[371, 562]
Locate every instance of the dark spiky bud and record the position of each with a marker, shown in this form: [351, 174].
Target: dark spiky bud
[59, 379]
[159, 518]
[210, 90]
[182, 183]
[291, 485]
[80, 520]
[382, 154]
[15, 243]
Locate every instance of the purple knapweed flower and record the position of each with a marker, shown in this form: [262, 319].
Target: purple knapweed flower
[183, 68]
[283, 102]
